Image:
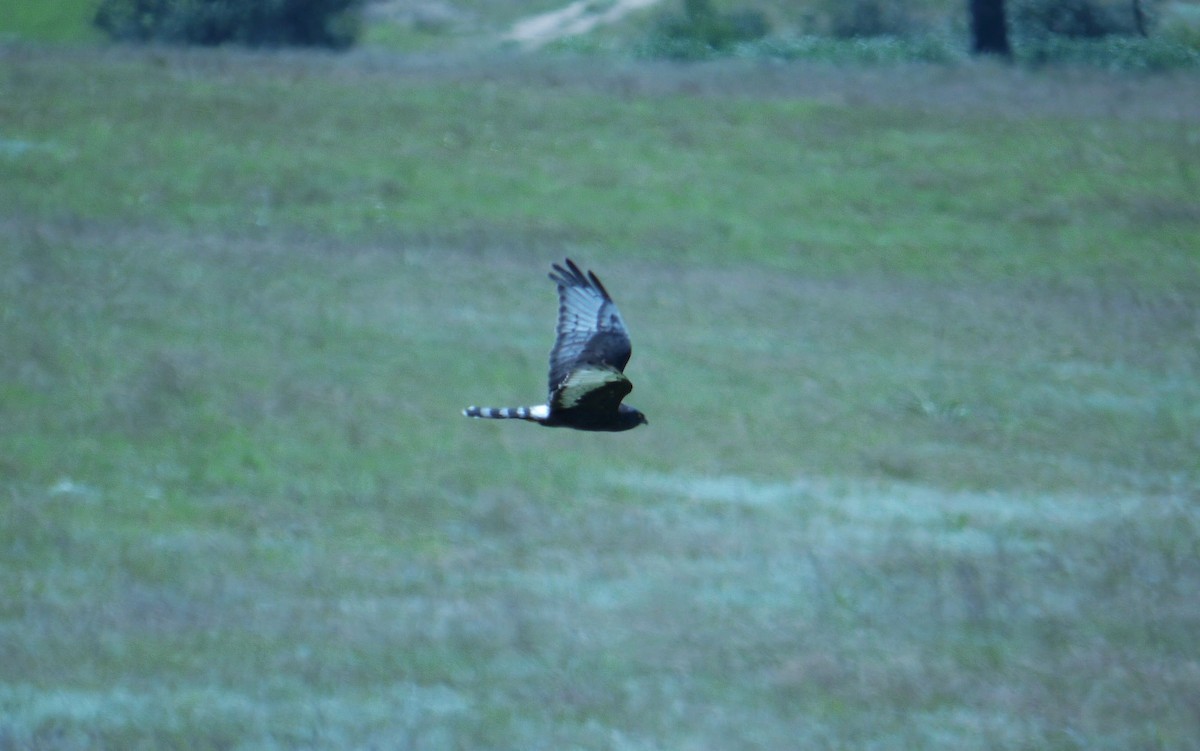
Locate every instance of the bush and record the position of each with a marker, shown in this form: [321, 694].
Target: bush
[1101, 33]
[319, 23]
[858, 19]
[1080, 19]
[882, 50]
[1113, 53]
[870, 19]
[1180, 24]
[701, 30]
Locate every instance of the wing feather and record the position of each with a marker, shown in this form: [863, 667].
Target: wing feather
[591, 390]
[590, 330]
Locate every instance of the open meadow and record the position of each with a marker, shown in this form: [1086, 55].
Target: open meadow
[919, 347]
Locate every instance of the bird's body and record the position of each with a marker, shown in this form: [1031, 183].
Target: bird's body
[587, 363]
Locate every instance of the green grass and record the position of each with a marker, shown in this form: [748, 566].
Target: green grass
[918, 348]
[58, 21]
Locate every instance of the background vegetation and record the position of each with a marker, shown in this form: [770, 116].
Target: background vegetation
[1100, 33]
[920, 348]
[253, 23]
[61, 21]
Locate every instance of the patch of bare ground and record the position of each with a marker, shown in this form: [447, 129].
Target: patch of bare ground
[573, 19]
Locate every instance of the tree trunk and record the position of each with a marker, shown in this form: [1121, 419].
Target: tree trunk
[1139, 17]
[989, 28]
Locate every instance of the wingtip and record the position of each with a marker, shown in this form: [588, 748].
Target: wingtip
[572, 275]
[570, 270]
[557, 273]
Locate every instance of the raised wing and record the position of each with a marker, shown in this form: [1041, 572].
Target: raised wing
[590, 391]
[590, 335]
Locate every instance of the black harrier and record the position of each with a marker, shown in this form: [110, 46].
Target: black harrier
[590, 352]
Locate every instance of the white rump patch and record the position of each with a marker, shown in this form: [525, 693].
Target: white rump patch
[540, 412]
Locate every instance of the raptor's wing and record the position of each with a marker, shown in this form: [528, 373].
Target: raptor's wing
[590, 335]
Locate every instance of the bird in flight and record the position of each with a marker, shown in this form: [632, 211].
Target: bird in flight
[587, 363]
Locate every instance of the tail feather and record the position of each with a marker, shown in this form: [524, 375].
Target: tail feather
[534, 414]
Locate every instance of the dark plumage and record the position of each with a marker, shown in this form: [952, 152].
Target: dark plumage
[587, 363]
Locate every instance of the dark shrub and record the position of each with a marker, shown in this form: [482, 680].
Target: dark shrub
[858, 19]
[1112, 52]
[701, 30]
[1105, 33]
[319, 23]
[1081, 19]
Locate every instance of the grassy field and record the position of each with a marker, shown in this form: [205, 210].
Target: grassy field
[58, 21]
[920, 350]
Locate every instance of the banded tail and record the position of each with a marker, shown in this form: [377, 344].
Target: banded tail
[533, 414]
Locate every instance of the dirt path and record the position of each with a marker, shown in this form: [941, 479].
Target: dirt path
[578, 17]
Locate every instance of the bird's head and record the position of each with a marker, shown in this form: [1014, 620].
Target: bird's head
[631, 418]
